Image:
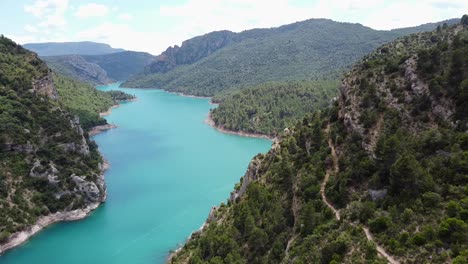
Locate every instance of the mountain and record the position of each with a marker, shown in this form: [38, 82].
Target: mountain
[218, 61]
[377, 177]
[121, 65]
[50, 170]
[100, 69]
[76, 67]
[71, 48]
[85, 101]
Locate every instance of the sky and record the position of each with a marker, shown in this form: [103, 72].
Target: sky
[154, 25]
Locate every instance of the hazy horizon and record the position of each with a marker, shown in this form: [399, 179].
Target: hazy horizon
[152, 27]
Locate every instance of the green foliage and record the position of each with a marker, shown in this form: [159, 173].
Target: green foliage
[120, 66]
[270, 108]
[86, 101]
[34, 132]
[219, 61]
[416, 160]
[464, 20]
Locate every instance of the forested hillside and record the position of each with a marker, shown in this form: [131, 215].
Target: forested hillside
[85, 101]
[224, 60]
[47, 163]
[121, 65]
[270, 108]
[76, 67]
[378, 177]
[100, 69]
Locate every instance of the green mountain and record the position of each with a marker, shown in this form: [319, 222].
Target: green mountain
[224, 60]
[71, 48]
[76, 67]
[84, 101]
[100, 69]
[48, 163]
[378, 177]
[121, 65]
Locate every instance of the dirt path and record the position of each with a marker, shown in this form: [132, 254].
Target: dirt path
[327, 177]
[380, 249]
[369, 236]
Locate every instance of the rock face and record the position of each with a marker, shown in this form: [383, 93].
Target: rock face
[88, 188]
[49, 171]
[45, 86]
[251, 175]
[192, 50]
[77, 67]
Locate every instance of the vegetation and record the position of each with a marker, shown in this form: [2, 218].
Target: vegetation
[402, 156]
[121, 65]
[270, 108]
[100, 69]
[86, 101]
[220, 61]
[76, 67]
[41, 145]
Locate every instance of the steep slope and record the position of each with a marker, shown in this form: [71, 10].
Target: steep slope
[379, 177]
[71, 48]
[100, 69]
[49, 169]
[76, 67]
[121, 65]
[224, 60]
[85, 101]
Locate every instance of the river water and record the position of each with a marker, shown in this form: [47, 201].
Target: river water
[167, 169]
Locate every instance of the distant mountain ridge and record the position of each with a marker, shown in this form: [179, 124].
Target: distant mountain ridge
[221, 60]
[100, 69]
[71, 48]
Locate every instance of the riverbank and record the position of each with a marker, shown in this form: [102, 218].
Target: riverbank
[209, 120]
[99, 129]
[21, 237]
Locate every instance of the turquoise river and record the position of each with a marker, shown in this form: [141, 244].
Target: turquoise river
[167, 169]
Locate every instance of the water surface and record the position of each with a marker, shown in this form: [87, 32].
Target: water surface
[167, 169]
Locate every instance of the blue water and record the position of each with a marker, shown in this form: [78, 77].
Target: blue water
[167, 169]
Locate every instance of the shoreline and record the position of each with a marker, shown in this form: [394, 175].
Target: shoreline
[99, 129]
[210, 122]
[21, 237]
[43, 222]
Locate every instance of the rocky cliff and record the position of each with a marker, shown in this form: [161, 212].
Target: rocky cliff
[49, 168]
[78, 68]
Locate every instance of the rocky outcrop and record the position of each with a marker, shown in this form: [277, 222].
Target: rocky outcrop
[251, 175]
[77, 67]
[97, 194]
[99, 129]
[81, 146]
[191, 51]
[45, 86]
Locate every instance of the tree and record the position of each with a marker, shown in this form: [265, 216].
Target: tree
[464, 20]
[408, 177]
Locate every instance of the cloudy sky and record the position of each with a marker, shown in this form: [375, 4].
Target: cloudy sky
[153, 25]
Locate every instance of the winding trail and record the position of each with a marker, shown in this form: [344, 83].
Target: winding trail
[380, 249]
[369, 236]
[327, 176]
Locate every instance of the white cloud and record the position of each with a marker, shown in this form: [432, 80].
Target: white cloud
[31, 29]
[118, 35]
[92, 10]
[50, 13]
[125, 16]
[172, 23]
